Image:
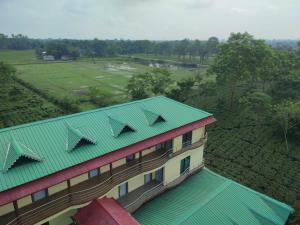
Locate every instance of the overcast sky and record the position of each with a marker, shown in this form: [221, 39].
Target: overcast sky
[150, 19]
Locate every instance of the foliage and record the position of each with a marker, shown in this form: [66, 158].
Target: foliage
[240, 59]
[257, 103]
[287, 116]
[59, 49]
[101, 98]
[6, 72]
[150, 83]
[182, 90]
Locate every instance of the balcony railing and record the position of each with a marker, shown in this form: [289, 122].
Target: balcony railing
[88, 190]
[135, 199]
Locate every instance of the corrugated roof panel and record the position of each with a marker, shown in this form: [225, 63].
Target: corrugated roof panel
[15, 152]
[207, 198]
[48, 137]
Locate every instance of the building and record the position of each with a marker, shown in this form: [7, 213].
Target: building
[48, 58]
[98, 167]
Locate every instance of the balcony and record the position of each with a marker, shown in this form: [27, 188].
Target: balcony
[135, 199]
[88, 190]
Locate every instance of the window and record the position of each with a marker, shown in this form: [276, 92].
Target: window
[130, 158]
[39, 195]
[185, 165]
[123, 189]
[159, 175]
[165, 146]
[187, 139]
[94, 173]
[148, 178]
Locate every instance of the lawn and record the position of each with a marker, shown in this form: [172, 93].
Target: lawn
[73, 79]
[18, 57]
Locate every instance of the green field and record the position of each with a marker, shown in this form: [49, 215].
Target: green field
[73, 79]
[20, 105]
[18, 57]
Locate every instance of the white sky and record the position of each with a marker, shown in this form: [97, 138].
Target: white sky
[150, 19]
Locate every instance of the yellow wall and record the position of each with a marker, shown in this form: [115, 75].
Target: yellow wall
[113, 193]
[135, 182]
[198, 134]
[177, 143]
[148, 151]
[118, 163]
[24, 201]
[79, 179]
[6, 208]
[64, 219]
[172, 167]
[104, 169]
[58, 187]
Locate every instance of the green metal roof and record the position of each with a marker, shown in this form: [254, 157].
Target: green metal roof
[209, 199]
[15, 152]
[118, 127]
[152, 117]
[51, 139]
[75, 136]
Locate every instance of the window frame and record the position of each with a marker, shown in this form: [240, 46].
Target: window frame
[98, 173]
[126, 189]
[130, 160]
[187, 139]
[151, 178]
[46, 195]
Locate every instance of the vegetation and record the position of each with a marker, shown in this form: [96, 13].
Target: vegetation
[256, 100]
[252, 88]
[21, 105]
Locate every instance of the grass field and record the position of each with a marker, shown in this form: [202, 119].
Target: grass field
[18, 57]
[73, 79]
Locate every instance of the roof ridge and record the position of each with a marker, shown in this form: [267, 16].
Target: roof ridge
[253, 191]
[74, 115]
[200, 205]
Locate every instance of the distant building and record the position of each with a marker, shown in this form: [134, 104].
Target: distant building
[48, 58]
[65, 57]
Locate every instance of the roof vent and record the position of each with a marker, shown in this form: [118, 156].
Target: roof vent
[77, 139]
[118, 127]
[18, 154]
[153, 117]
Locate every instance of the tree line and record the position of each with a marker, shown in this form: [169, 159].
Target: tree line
[185, 49]
[251, 77]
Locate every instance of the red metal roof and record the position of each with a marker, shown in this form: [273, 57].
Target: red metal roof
[104, 211]
[63, 175]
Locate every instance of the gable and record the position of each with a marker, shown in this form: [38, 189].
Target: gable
[152, 117]
[76, 139]
[18, 154]
[118, 127]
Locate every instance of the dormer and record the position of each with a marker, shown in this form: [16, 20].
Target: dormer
[118, 127]
[152, 117]
[77, 139]
[18, 154]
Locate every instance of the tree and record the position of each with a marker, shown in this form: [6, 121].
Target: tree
[139, 86]
[101, 98]
[160, 79]
[182, 90]
[258, 103]
[287, 116]
[239, 60]
[6, 72]
[212, 45]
